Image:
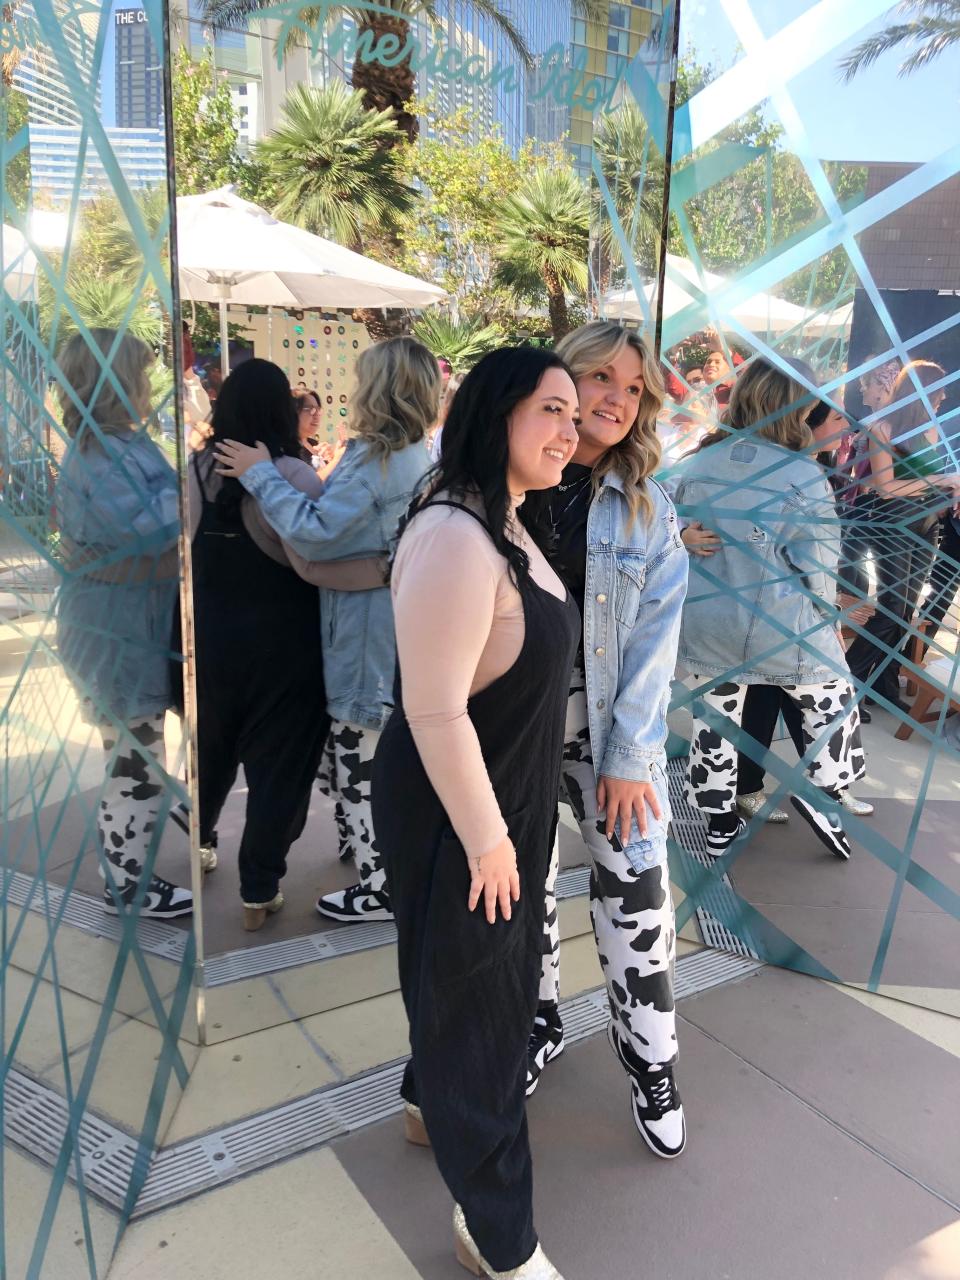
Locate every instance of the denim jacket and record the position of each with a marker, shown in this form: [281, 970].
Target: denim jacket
[636, 581]
[117, 503]
[763, 606]
[356, 516]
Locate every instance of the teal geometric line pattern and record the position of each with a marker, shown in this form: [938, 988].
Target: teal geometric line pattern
[71, 1002]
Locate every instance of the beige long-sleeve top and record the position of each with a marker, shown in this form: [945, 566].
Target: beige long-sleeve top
[460, 626]
[341, 575]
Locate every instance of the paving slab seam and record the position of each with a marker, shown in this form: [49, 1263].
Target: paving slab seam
[835, 1124]
[206, 1161]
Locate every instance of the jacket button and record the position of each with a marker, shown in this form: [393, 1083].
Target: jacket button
[600, 652]
[601, 599]
[604, 542]
[601, 704]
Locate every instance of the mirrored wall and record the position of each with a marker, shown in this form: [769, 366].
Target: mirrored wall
[98, 1005]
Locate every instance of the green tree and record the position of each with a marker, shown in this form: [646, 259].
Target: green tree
[931, 27]
[14, 116]
[462, 342]
[632, 167]
[545, 234]
[206, 143]
[384, 88]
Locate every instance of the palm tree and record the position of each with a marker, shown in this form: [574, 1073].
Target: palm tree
[546, 235]
[932, 26]
[393, 87]
[327, 161]
[632, 168]
[462, 342]
[335, 178]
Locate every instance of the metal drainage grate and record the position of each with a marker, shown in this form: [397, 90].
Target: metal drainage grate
[252, 962]
[86, 913]
[37, 1119]
[200, 1164]
[690, 831]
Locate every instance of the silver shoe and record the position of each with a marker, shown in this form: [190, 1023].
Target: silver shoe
[751, 804]
[537, 1267]
[208, 857]
[862, 808]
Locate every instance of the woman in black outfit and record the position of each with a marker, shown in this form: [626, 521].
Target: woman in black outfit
[465, 785]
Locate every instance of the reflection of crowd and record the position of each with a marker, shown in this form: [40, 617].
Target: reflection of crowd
[446, 702]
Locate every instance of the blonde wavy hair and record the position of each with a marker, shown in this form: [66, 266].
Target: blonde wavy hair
[397, 397]
[105, 396]
[770, 403]
[637, 456]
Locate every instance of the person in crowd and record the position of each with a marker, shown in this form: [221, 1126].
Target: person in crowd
[763, 603]
[465, 787]
[853, 460]
[944, 577]
[260, 688]
[195, 401]
[308, 425]
[765, 703]
[719, 376]
[453, 386]
[617, 546]
[693, 376]
[393, 407]
[118, 511]
[909, 491]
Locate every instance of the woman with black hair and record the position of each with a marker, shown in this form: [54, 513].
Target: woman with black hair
[465, 785]
[260, 690]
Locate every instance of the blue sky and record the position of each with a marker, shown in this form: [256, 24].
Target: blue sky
[877, 117]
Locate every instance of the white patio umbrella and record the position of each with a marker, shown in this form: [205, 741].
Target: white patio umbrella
[762, 312]
[19, 265]
[230, 250]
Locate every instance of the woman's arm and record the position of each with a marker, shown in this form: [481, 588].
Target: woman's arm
[648, 659]
[336, 525]
[356, 574]
[132, 498]
[883, 480]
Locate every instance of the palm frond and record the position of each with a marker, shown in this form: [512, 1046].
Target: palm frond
[934, 27]
[462, 342]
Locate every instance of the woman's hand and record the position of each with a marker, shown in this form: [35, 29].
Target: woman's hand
[622, 801]
[233, 459]
[494, 876]
[700, 541]
[950, 482]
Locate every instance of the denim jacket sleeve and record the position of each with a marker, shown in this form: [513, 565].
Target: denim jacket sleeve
[127, 498]
[811, 537]
[648, 659]
[335, 526]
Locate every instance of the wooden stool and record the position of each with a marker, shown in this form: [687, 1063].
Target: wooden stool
[933, 685]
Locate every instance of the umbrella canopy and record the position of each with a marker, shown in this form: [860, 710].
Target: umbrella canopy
[230, 250]
[19, 265]
[762, 312]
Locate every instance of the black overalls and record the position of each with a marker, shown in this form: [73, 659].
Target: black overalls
[470, 988]
[260, 695]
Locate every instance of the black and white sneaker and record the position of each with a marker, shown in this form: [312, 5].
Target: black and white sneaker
[162, 901]
[546, 1043]
[355, 904]
[722, 830]
[826, 827]
[655, 1103]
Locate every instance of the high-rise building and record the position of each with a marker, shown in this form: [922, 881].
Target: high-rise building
[139, 72]
[54, 166]
[40, 76]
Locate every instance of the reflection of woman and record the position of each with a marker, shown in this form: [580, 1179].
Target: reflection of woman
[762, 603]
[357, 513]
[308, 424]
[909, 490]
[118, 508]
[619, 550]
[260, 694]
[465, 789]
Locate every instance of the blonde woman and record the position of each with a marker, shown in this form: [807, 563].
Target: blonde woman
[393, 407]
[118, 513]
[762, 606]
[617, 545]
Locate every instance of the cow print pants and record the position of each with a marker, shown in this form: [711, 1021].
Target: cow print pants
[344, 775]
[830, 718]
[631, 909]
[131, 798]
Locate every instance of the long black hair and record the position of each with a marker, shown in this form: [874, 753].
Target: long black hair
[475, 443]
[254, 403]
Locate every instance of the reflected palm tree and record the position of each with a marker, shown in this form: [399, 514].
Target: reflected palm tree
[931, 26]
